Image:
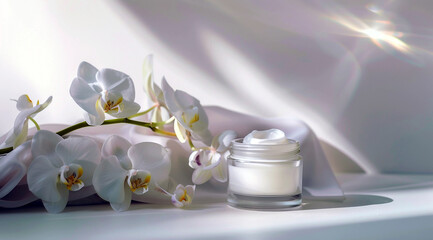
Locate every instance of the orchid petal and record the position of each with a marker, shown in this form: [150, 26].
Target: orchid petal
[213, 159]
[58, 206]
[201, 175]
[123, 205]
[149, 89]
[87, 72]
[76, 148]
[195, 160]
[220, 171]
[109, 180]
[204, 122]
[179, 190]
[42, 179]
[203, 160]
[157, 115]
[169, 97]
[180, 131]
[184, 100]
[224, 140]
[82, 151]
[151, 157]
[117, 146]
[176, 202]
[159, 94]
[22, 119]
[148, 77]
[44, 143]
[8, 140]
[43, 105]
[22, 136]
[24, 102]
[13, 168]
[129, 109]
[115, 81]
[84, 95]
[190, 190]
[95, 120]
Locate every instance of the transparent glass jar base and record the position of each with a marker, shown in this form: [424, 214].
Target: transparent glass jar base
[264, 202]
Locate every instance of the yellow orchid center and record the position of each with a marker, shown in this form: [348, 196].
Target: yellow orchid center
[111, 102]
[70, 176]
[190, 117]
[138, 181]
[28, 99]
[184, 197]
[111, 105]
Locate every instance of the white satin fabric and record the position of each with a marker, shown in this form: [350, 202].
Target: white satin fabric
[319, 181]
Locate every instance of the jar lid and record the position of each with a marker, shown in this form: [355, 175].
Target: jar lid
[287, 151]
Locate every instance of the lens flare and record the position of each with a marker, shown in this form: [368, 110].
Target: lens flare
[380, 34]
[380, 37]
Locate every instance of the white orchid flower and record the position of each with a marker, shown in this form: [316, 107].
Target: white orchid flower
[182, 196]
[59, 166]
[104, 91]
[129, 169]
[212, 161]
[18, 134]
[191, 119]
[153, 91]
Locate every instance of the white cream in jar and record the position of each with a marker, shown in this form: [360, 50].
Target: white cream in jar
[265, 171]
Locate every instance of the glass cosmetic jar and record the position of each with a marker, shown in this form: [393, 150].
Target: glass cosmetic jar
[265, 175]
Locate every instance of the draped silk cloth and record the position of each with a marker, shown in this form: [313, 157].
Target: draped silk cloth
[319, 181]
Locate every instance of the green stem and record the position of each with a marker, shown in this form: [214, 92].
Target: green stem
[144, 112]
[106, 122]
[35, 123]
[191, 145]
[157, 124]
[6, 150]
[77, 126]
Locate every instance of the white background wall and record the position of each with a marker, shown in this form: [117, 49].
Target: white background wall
[359, 72]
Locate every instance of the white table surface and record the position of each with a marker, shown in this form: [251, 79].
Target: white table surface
[376, 207]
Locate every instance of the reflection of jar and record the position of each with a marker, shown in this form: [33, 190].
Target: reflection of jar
[265, 176]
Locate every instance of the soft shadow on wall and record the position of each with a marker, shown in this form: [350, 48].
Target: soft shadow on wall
[335, 64]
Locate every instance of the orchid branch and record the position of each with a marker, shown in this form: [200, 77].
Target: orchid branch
[151, 125]
[6, 150]
[157, 124]
[191, 145]
[106, 122]
[35, 123]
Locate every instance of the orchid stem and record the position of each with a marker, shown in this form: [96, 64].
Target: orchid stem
[162, 190]
[106, 122]
[144, 112]
[191, 145]
[157, 124]
[35, 123]
[152, 126]
[6, 150]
